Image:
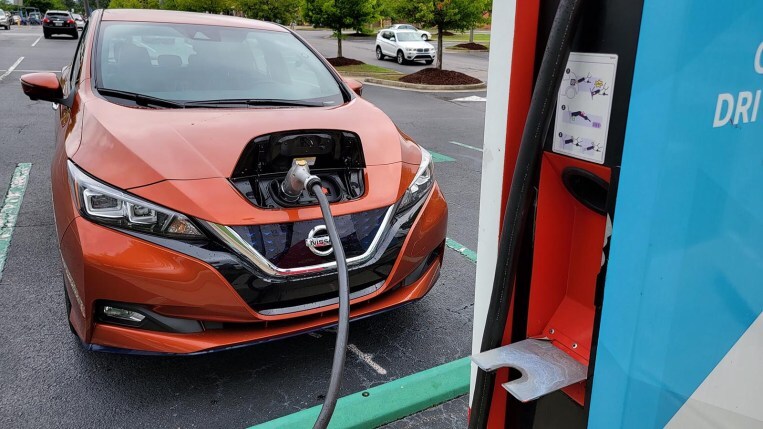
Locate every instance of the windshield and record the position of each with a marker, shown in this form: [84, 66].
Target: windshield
[405, 36]
[187, 63]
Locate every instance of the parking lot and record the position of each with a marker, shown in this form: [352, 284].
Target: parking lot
[48, 380]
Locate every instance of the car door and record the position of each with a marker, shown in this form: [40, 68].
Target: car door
[384, 42]
[391, 44]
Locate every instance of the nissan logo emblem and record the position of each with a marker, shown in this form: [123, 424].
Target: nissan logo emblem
[319, 242]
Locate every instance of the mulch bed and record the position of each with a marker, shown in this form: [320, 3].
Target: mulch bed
[432, 76]
[342, 61]
[472, 46]
[447, 33]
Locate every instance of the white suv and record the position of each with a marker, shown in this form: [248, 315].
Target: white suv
[405, 46]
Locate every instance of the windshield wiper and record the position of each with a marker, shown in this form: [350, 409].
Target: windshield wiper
[140, 99]
[254, 102]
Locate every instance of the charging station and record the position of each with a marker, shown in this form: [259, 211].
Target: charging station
[619, 279]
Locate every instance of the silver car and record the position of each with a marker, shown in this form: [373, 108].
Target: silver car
[425, 35]
[5, 19]
[79, 21]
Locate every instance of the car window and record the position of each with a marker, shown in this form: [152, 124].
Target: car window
[79, 55]
[57, 15]
[185, 62]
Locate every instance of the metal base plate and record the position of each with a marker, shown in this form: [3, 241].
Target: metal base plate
[544, 368]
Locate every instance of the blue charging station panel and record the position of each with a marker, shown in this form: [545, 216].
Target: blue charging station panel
[685, 276]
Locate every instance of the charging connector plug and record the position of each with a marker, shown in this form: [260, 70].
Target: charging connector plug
[297, 180]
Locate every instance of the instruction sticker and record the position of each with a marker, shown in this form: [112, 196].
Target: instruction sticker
[584, 106]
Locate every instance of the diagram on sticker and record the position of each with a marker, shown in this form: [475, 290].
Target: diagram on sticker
[591, 85]
[578, 144]
[583, 106]
[581, 117]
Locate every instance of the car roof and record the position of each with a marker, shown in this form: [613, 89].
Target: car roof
[177, 17]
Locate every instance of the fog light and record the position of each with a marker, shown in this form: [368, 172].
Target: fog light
[122, 314]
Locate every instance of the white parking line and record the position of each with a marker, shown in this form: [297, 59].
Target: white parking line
[466, 146]
[13, 67]
[472, 98]
[367, 358]
[35, 42]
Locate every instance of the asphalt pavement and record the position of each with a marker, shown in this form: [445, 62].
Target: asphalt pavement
[48, 380]
[364, 49]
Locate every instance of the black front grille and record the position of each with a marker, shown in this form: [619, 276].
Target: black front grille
[283, 244]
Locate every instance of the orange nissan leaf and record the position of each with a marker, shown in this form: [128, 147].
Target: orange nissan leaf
[174, 133]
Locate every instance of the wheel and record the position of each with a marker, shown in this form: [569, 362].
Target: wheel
[428, 62]
[400, 57]
[424, 37]
[379, 53]
[46, 35]
[75, 35]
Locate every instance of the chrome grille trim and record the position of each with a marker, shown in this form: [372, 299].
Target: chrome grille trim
[324, 303]
[243, 248]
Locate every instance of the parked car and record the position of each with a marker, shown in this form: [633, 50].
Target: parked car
[34, 19]
[174, 230]
[16, 18]
[404, 46]
[5, 20]
[424, 35]
[59, 22]
[79, 21]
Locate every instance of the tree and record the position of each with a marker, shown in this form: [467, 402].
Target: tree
[281, 11]
[340, 14]
[445, 15]
[46, 5]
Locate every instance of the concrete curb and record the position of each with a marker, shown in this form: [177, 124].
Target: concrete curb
[388, 402]
[416, 86]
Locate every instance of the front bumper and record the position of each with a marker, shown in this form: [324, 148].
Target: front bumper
[106, 265]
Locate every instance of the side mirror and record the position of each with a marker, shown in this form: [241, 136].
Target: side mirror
[355, 86]
[42, 86]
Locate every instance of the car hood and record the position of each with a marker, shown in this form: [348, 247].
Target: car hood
[416, 44]
[130, 147]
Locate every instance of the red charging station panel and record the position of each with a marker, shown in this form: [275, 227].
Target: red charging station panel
[566, 262]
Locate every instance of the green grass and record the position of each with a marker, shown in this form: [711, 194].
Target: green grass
[369, 70]
[464, 37]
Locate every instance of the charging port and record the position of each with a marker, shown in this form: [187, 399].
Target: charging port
[336, 157]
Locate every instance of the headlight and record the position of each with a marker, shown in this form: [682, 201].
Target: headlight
[409, 49]
[104, 205]
[422, 183]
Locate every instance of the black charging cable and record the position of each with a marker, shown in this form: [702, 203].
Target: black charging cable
[297, 179]
[343, 330]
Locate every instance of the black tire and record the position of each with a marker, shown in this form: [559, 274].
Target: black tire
[75, 35]
[46, 35]
[379, 53]
[401, 58]
[424, 37]
[428, 62]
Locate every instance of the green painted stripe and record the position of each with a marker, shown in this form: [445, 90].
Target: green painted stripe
[387, 402]
[460, 248]
[438, 157]
[10, 210]
[466, 146]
